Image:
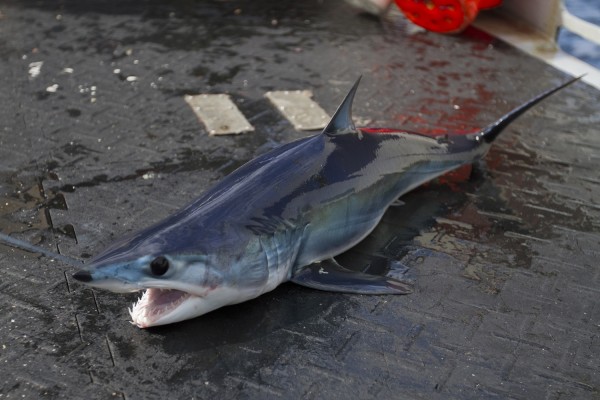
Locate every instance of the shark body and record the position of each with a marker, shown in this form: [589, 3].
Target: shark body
[283, 217]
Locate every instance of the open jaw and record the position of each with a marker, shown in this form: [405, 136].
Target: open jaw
[161, 306]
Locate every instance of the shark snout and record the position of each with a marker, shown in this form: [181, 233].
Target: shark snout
[83, 276]
[106, 280]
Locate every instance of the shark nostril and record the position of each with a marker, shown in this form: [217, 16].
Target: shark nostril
[83, 276]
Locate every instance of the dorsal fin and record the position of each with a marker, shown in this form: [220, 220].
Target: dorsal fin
[341, 122]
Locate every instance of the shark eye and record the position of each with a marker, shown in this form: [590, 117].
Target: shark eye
[159, 266]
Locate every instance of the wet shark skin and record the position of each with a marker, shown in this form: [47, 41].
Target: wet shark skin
[319, 185]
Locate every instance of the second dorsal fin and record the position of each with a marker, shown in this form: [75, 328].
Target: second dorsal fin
[341, 123]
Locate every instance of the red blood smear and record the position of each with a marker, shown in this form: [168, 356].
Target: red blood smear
[436, 117]
[454, 178]
[459, 175]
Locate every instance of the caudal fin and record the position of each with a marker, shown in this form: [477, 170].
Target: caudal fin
[490, 133]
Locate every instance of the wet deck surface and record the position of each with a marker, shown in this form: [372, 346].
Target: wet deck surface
[102, 142]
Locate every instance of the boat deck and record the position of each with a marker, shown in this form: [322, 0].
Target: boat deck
[97, 140]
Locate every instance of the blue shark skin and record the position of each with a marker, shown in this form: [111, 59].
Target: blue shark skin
[283, 216]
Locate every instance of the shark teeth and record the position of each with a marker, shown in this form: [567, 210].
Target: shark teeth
[154, 304]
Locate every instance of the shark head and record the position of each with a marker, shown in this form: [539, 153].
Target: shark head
[174, 288]
[176, 283]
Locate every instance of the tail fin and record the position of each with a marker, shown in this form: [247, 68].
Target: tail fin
[490, 133]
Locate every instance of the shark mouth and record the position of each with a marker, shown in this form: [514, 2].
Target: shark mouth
[158, 307]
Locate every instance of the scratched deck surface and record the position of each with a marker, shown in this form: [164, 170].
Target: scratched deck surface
[101, 142]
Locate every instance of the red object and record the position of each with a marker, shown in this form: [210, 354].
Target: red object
[444, 16]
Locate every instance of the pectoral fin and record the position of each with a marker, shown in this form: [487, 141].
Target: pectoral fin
[330, 276]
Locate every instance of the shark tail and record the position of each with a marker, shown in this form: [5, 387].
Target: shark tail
[490, 133]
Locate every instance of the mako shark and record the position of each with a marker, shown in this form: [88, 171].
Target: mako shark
[281, 217]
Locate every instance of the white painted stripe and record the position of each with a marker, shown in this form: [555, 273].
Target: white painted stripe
[585, 29]
[219, 114]
[298, 107]
[537, 45]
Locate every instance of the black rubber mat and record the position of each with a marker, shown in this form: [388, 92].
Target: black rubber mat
[96, 140]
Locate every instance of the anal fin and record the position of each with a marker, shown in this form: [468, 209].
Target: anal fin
[330, 276]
